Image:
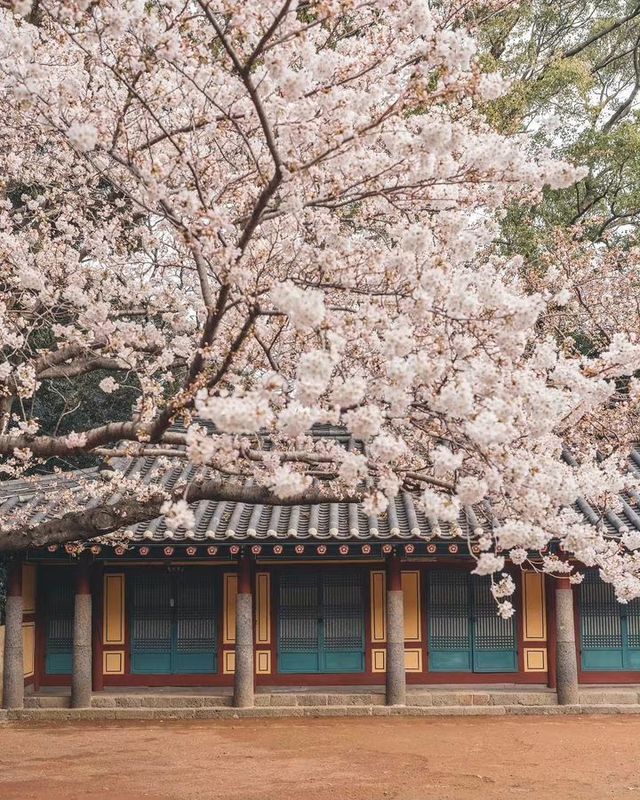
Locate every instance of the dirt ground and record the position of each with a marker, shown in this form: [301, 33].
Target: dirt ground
[325, 759]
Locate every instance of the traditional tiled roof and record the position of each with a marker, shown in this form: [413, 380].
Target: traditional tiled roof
[234, 521]
[630, 504]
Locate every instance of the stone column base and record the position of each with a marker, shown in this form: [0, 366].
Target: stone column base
[566, 659]
[396, 674]
[243, 695]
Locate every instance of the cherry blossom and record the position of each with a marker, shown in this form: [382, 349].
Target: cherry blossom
[269, 218]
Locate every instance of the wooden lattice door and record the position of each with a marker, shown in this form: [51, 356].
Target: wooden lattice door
[321, 622]
[465, 632]
[173, 625]
[609, 631]
[58, 608]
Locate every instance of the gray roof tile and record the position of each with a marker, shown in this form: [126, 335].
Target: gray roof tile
[231, 521]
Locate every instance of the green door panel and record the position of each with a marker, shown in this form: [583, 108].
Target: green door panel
[194, 643]
[342, 622]
[450, 661]
[465, 632]
[609, 631]
[494, 638]
[321, 622]
[149, 663]
[346, 661]
[297, 661]
[495, 661]
[59, 610]
[299, 623]
[602, 660]
[151, 623]
[173, 627]
[449, 622]
[59, 663]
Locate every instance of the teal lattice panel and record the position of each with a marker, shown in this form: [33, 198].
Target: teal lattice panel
[321, 622]
[58, 607]
[173, 629]
[609, 631]
[465, 632]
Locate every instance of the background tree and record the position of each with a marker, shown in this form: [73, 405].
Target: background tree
[575, 70]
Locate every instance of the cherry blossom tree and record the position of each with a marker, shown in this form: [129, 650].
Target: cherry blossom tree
[272, 215]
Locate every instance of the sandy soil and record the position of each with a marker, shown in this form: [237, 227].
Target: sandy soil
[325, 759]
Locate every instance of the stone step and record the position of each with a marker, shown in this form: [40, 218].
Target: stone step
[289, 699]
[46, 701]
[142, 700]
[140, 713]
[447, 698]
[420, 699]
[161, 700]
[597, 696]
[483, 698]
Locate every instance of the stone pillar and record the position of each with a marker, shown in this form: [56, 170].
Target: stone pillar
[13, 682]
[396, 675]
[566, 659]
[81, 676]
[243, 679]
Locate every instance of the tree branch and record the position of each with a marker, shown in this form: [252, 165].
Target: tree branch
[81, 367]
[578, 48]
[106, 518]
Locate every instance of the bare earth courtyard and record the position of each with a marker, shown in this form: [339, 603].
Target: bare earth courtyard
[340, 759]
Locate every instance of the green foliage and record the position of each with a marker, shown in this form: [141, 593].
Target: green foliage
[575, 71]
[78, 404]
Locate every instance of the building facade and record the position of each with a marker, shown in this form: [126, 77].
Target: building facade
[260, 597]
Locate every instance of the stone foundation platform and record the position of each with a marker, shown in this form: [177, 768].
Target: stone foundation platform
[142, 704]
[55, 715]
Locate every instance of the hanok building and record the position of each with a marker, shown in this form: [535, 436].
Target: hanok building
[258, 598]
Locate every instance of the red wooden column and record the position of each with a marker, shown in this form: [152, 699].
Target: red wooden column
[243, 695]
[552, 638]
[396, 673]
[13, 681]
[81, 675]
[97, 581]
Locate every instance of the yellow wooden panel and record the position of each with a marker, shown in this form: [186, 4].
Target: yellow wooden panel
[263, 608]
[263, 662]
[378, 660]
[113, 662]
[229, 662]
[113, 614]
[230, 590]
[29, 648]
[535, 659]
[534, 611]
[413, 660]
[378, 607]
[411, 598]
[29, 588]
